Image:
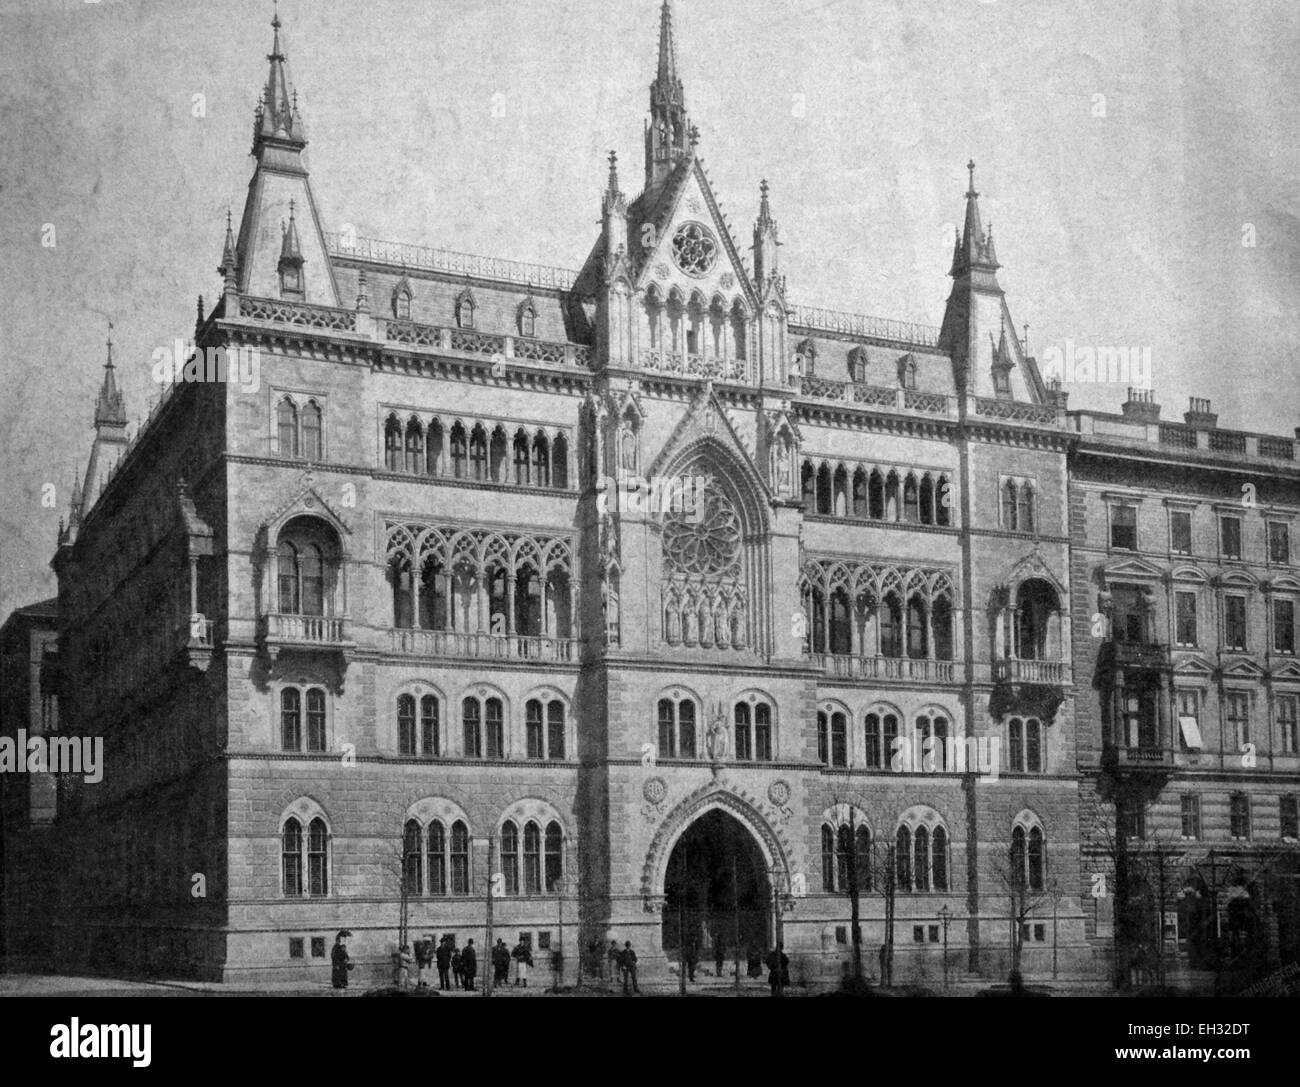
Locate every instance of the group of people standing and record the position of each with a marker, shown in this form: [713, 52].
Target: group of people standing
[502, 956]
[454, 964]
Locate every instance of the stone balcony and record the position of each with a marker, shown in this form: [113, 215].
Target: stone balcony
[278, 632]
[512, 647]
[1152, 759]
[1134, 655]
[1044, 673]
[920, 670]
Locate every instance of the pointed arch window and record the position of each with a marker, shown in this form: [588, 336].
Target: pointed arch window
[414, 446]
[832, 738]
[541, 460]
[763, 732]
[406, 724]
[437, 858]
[291, 858]
[465, 311]
[315, 719]
[317, 858]
[478, 453]
[430, 737]
[532, 858]
[286, 415]
[554, 858]
[412, 869]
[312, 431]
[402, 301]
[744, 744]
[459, 858]
[676, 732]
[472, 723]
[510, 857]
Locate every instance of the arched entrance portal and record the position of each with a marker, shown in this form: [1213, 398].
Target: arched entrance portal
[717, 891]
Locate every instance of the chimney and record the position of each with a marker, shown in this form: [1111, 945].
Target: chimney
[1141, 406]
[1057, 395]
[1198, 414]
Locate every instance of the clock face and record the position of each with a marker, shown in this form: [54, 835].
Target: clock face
[694, 249]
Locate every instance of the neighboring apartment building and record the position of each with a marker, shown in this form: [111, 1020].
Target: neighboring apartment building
[29, 708]
[1186, 577]
[404, 639]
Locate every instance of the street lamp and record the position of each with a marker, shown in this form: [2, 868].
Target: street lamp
[946, 914]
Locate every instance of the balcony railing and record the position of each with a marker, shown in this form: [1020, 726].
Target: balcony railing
[448, 643]
[1016, 411]
[914, 668]
[297, 313]
[674, 362]
[1136, 654]
[860, 324]
[306, 629]
[447, 261]
[1142, 758]
[1047, 673]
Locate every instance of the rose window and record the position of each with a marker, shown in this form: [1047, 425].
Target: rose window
[694, 249]
[704, 540]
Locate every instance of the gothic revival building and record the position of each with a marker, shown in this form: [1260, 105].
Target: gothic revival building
[636, 602]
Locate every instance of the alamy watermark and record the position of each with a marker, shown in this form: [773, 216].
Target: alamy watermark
[53, 755]
[226, 365]
[1098, 364]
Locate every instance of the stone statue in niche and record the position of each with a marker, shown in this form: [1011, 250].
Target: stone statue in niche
[715, 740]
[628, 459]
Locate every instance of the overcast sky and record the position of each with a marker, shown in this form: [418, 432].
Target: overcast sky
[1124, 151]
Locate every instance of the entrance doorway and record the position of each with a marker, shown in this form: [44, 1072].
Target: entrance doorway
[717, 892]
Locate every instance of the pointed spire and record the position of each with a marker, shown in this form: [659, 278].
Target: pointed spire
[613, 172]
[110, 409]
[277, 115]
[290, 248]
[667, 74]
[669, 136]
[765, 240]
[227, 267]
[974, 248]
[74, 506]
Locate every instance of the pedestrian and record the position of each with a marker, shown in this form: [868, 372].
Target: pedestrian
[341, 962]
[754, 961]
[719, 951]
[443, 958]
[402, 967]
[423, 960]
[615, 957]
[457, 966]
[883, 979]
[469, 964]
[691, 953]
[628, 962]
[500, 963]
[523, 956]
[778, 969]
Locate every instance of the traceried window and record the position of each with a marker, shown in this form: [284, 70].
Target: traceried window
[292, 732]
[694, 249]
[304, 855]
[753, 740]
[705, 540]
[921, 854]
[418, 733]
[881, 728]
[544, 728]
[676, 733]
[1028, 856]
[832, 738]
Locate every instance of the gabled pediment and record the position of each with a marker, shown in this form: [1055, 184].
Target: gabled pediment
[1192, 665]
[706, 420]
[1242, 668]
[307, 502]
[1034, 565]
[1129, 568]
[1287, 671]
[678, 256]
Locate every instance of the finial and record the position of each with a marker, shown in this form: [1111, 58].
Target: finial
[109, 343]
[970, 166]
[695, 135]
[291, 210]
[762, 188]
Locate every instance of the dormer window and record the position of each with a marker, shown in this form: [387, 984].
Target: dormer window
[527, 318]
[1001, 381]
[858, 364]
[465, 310]
[808, 350]
[402, 301]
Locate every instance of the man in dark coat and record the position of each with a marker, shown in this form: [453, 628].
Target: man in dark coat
[443, 957]
[341, 962]
[719, 950]
[691, 953]
[500, 963]
[628, 963]
[469, 964]
[778, 969]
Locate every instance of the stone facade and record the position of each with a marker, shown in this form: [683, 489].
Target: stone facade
[545, 594]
